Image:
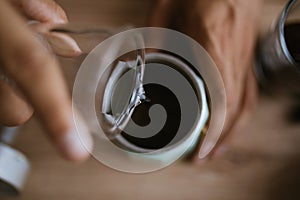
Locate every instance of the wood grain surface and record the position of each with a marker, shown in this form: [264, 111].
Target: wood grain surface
[263, 161]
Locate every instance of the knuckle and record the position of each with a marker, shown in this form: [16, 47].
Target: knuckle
[15, 119]
[13, 108]
[20, 120]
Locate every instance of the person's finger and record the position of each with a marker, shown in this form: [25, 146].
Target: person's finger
[46, 15]
[248, 103]
[250, 100]
[13, 108]
[37, 75]
[61, 44]
[45, 11]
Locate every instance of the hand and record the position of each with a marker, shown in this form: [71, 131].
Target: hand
[30, 78]
[227, 29]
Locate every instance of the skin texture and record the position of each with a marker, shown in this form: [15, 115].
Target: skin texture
[30, 76]
[227, 29]
[33, 82]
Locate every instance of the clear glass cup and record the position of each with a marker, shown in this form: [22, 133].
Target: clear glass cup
[108, 95]
[278, 55]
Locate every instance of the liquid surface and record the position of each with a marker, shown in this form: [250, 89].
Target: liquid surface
[170, 114]
[292, 39]
[165, 97]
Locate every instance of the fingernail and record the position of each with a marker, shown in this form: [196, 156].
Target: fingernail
[205, 149]
[63, 45]
[77, 144]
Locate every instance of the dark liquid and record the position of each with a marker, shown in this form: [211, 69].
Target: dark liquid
[157, 94]
[292, 39]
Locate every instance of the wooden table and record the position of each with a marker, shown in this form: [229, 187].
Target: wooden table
[263, 161]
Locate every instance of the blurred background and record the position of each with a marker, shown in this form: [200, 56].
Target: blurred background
[263, 161]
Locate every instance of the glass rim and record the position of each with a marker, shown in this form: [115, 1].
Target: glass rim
[281, 24]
